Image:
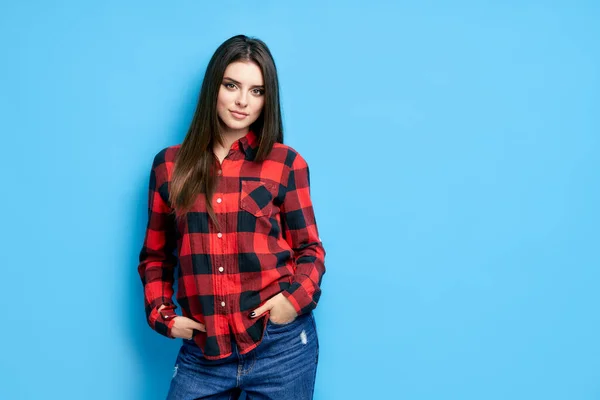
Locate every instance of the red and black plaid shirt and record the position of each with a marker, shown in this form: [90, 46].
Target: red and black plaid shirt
[268, 244]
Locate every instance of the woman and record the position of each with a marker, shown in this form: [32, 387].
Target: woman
[232, 205]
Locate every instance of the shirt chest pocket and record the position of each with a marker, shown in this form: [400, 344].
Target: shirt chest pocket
[256, 197]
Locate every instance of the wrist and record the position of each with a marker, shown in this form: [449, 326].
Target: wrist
[167, 313]
[167, 316]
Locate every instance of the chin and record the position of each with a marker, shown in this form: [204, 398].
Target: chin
[236, 125]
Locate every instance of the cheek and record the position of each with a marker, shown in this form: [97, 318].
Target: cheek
[258, 105]
[224, 98]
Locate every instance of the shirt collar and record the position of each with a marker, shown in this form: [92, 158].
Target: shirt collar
[247, 143]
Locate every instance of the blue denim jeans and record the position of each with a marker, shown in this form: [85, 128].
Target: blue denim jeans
[282, 367]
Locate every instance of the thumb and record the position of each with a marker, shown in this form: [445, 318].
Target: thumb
[198, 326]
[189, 323]
[261, 310]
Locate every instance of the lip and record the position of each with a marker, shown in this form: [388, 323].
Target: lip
[238, 115]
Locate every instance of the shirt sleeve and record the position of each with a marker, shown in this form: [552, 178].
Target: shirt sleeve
[157, 259]
[300, 231]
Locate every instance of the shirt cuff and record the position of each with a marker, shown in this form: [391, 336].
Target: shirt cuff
[163, 321]
[299, 294]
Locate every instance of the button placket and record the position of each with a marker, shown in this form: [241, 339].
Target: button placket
[218, 200]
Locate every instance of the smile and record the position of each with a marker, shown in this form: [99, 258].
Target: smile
[238, 115]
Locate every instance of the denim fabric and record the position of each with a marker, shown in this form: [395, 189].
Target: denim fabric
[282, 367]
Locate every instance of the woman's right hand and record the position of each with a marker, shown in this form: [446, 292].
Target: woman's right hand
[183, 327]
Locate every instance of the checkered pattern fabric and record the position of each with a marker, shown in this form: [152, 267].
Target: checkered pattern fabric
[268, 243]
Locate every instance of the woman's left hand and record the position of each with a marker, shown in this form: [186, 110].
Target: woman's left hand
[281, 310]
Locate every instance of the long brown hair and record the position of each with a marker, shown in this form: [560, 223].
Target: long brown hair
[195, 164]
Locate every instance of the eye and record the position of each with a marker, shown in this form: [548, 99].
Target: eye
[229, 85]
[258, 92]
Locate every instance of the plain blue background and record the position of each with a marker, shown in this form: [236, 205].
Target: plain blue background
[455, 174]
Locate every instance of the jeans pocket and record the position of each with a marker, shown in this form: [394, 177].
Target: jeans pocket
[300, 320]
[271, 326]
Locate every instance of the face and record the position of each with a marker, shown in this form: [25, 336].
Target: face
[241, 97]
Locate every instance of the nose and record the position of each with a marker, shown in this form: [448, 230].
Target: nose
[241, 101]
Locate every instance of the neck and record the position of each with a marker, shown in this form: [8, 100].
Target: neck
[230, 136]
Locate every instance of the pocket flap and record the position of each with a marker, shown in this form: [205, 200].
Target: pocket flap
[256, 197]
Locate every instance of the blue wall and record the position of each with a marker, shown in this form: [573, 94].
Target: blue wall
[455, 174]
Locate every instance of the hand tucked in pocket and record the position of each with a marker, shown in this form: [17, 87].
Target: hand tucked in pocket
[281, 310]
[183, 327]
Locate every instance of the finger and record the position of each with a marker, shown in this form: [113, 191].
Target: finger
[188, 323]
[183, 333]
[199, 326]
[261, 310]
[191, 324]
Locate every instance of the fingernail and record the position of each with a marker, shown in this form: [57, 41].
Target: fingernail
[252, 314]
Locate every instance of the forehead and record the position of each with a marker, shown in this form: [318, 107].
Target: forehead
[247, 73]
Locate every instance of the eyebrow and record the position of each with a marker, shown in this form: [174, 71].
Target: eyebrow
[238, 83]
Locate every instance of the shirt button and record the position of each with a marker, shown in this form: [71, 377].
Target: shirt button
[219, 172]
[219, 235]
[220, 269]
[223, 304]
[219, 200]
